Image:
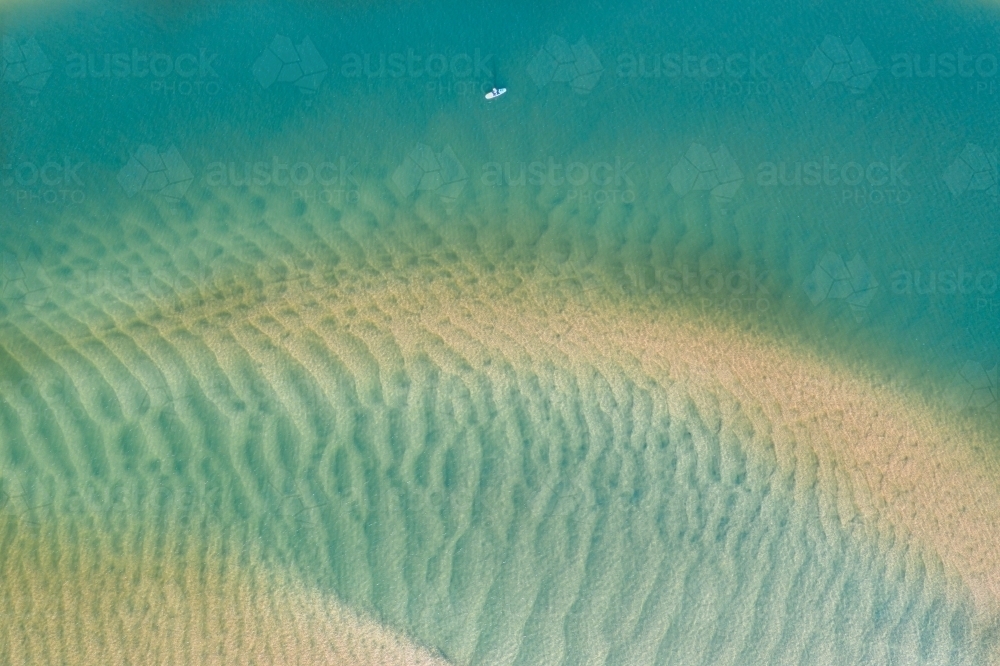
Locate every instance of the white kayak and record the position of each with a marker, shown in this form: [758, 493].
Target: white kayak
[496, 92]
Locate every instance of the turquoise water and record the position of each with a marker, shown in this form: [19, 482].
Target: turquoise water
[281, 291]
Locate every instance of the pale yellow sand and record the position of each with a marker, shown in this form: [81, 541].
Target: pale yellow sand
[903, 470]
[902, 466]
[72, 600]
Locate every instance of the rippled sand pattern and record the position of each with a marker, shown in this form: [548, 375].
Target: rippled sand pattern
[77, 600]
[509, 462]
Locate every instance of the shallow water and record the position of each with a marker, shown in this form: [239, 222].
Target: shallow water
[682, 351]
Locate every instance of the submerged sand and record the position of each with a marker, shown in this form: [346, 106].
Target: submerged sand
[899, 463]
[495, 447]
[874, 460]
[71, 598]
